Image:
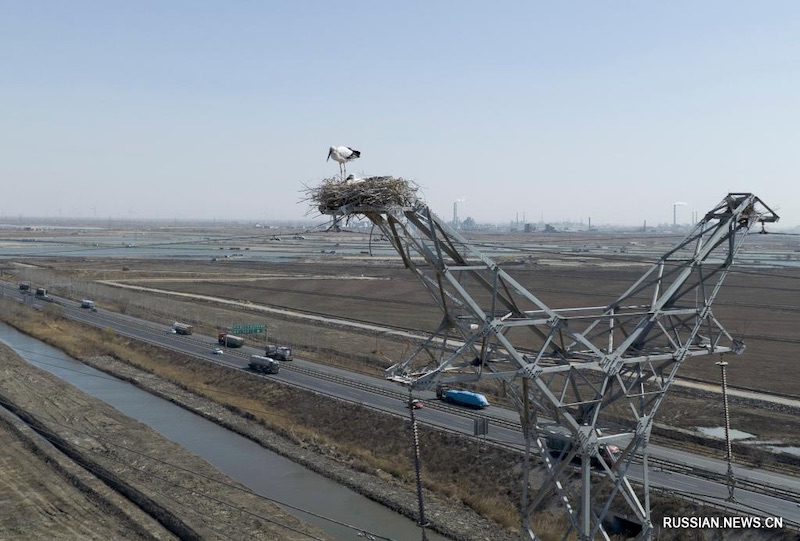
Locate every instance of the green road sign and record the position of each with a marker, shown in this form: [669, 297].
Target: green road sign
[247, 329]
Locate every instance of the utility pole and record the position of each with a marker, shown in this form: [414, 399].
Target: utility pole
[731, 479]
[422, 522]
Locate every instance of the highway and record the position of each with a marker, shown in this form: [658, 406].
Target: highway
[419, 336]
[758, 492]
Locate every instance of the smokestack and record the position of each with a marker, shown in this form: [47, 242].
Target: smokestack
[675, 212]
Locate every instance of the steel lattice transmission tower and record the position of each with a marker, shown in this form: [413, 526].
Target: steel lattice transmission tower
[578, 369]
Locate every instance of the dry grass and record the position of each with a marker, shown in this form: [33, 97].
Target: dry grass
[752, 305]
[364, 439]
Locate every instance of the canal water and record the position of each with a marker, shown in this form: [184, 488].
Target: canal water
[343, 514]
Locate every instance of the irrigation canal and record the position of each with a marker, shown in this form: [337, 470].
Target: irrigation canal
[263, 471]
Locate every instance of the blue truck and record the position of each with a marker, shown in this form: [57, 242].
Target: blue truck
[462, 398]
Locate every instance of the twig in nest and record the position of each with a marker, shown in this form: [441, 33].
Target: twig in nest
[370, 193]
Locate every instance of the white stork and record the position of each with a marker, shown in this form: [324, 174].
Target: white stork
[353, 180]
[343, 155]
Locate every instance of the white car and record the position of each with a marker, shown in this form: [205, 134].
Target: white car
[171, 331]
[217, 351]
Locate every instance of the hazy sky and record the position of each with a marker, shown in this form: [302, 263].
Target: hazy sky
[563, 110]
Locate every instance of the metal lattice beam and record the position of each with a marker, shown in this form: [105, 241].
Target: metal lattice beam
[565, 368]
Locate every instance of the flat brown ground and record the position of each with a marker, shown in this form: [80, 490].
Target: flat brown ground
[763, 307]
[39, 502]
[760, 307]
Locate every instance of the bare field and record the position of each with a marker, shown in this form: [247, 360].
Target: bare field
[765, 312]
[762, 307]
[356, 446]
[759, 306]
[45, 501]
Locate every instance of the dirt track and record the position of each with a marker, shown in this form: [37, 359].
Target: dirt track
[46, 494]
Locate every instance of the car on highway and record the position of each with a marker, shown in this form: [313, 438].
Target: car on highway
[171, 331]
[217, 351]
[416, 404]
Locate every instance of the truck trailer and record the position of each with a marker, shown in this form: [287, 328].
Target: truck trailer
[182, 328]
[462, 398]
[229, 340]
[281, 353]
[259, 363]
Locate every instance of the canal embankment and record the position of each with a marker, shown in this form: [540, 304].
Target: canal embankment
[127, 481]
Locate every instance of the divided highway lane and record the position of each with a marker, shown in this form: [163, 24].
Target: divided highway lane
[747, 503]
[504, 429]
[772, 482]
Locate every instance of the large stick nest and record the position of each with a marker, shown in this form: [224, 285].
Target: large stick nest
[376, 193]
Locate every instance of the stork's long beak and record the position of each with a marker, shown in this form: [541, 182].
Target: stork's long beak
[329, 155]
